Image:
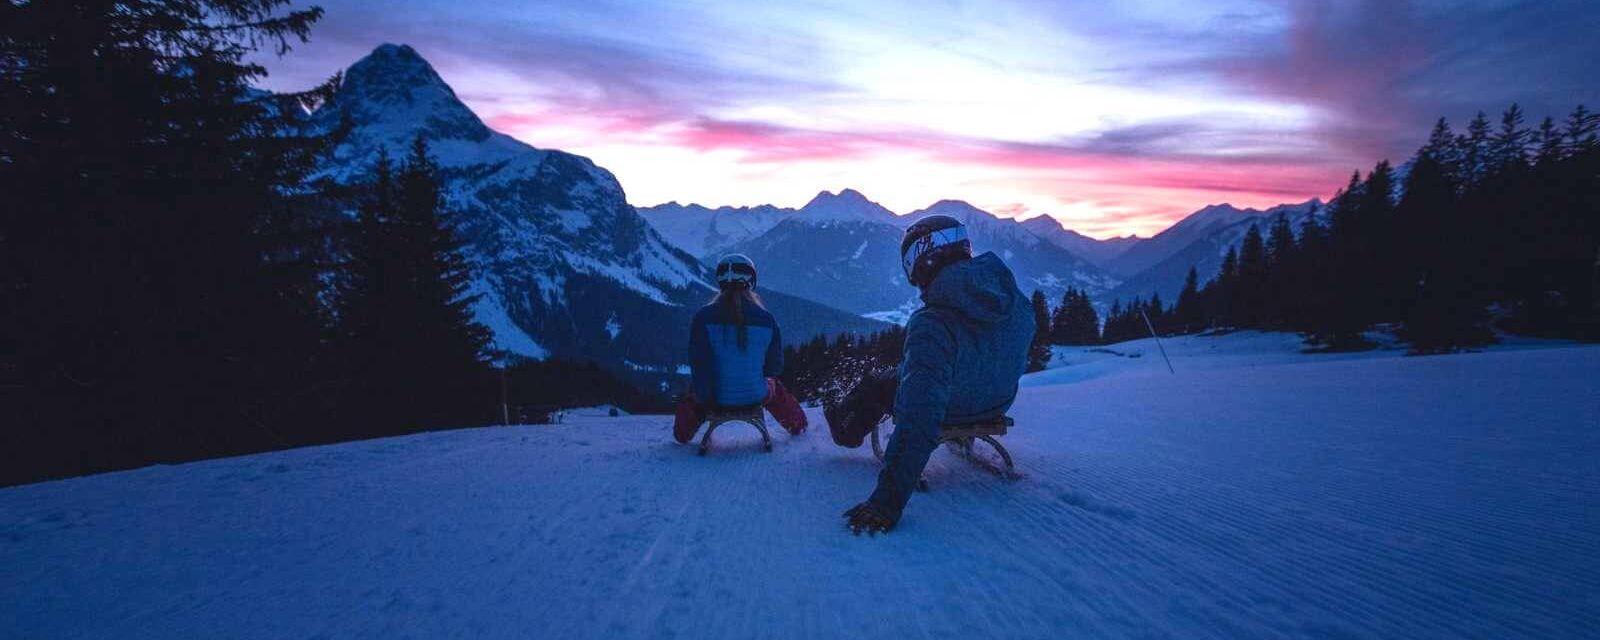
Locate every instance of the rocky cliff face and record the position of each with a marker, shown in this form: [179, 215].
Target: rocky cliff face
[565, 265]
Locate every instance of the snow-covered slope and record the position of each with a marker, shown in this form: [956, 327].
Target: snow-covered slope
[1097, 252]
[852, 265]
[847, 205]
[565, 265]
[1259, 493]
[705, 232]
[709, 233]
[1175, 238]
[1209, 239]
[845, 250]
[550, 234]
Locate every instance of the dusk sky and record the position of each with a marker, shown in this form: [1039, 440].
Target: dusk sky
[1114, 117]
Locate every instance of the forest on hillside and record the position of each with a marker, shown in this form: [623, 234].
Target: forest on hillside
[175, 282]
[1493, 229]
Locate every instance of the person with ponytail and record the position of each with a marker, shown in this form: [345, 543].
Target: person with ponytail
[735, 355]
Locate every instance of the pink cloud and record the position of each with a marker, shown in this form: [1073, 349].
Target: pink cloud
[1134, 190]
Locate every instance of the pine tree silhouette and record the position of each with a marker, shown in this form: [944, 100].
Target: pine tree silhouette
[1190, 311]
[1282, 268]
[1249, 290]
[1039, 351]
[409, 288]
[157, 293]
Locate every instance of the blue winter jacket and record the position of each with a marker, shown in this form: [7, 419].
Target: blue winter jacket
[965, 350]
[724, 374]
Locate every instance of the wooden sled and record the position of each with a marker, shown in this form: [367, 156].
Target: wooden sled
[752, 415]
[959, 438]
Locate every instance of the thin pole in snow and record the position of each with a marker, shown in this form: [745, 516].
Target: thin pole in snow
[1152, 329]
[505, 410]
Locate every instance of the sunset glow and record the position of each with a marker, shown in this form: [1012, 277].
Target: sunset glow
[1115, 118]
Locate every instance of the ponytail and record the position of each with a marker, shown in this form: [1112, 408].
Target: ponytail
[732, 297]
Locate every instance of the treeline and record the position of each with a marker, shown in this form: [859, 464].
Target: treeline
[174, 285]
[1494, 228]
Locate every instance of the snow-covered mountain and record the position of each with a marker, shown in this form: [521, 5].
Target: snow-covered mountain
[1209, 233]
[845, 250]
[852, 265]
[848, 205]
[565, 265]
[708, 233]
[1038, 263]
[702, 231]
[1175, 238]
[1096, 251]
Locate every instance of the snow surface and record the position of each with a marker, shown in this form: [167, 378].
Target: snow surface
[506, 336]
[1258, 493]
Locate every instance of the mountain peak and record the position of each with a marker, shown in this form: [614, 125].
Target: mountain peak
[1211, 216]
[1046, 223]
[392, 73]
[848, 205]
[844, 196]
[956, 209]
[396, 90]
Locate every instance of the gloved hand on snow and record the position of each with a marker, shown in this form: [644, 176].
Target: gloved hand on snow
[869, 518]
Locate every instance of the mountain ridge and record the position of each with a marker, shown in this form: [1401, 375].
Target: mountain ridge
[564, 265]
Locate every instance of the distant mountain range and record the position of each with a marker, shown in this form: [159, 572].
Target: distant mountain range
[565, 265]
[844, 248]
[1199, 241]
[567, 268]
[1099, 252]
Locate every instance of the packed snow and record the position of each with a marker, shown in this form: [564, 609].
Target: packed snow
[1257, 493]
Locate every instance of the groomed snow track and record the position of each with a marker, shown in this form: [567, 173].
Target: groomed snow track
[1246, 497]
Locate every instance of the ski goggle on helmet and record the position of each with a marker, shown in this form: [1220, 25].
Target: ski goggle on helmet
[736, 268]
[925, 246]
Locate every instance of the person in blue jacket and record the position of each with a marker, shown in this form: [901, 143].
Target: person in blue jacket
[736, 355]
[965, 350]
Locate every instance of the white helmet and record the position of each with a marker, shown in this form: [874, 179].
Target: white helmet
[736, 269]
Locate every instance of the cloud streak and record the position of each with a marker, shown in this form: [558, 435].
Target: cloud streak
[1114, 118]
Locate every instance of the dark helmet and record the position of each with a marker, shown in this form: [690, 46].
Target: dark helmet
[929, 245]
[736, 270]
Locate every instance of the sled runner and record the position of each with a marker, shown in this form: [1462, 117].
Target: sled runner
[959, 438]
[751, 415]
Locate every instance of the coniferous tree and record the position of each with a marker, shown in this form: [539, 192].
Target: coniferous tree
[1314, 277]
[1075, 322]
[410, 286]
[1350, 241]
[1444, 148]
[1249, 289]
[1061, 320]
[1444, 312]
[1280, 284]
[1189, 313]
[153, 300]
[1509, 145]
[1039, 351]
[1582, 130]
[1155, 317]
[1382, 296]
[1550, 143]
[1112, 332]
[1472, 149]
[1219, 293]
[1086, 321]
